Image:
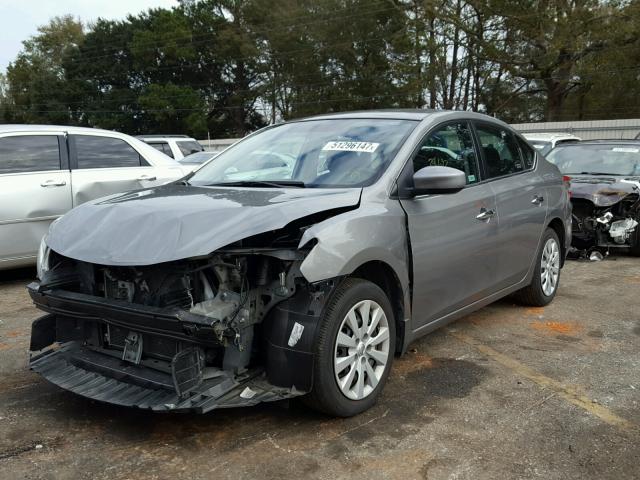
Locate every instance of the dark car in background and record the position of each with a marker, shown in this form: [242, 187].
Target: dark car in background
[605, 192]
[298, 262]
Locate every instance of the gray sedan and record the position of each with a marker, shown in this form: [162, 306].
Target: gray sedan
[251, 281]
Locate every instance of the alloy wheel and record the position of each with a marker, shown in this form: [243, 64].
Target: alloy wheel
[361, 350]
[550, 267]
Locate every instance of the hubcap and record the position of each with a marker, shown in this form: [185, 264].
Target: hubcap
[362, 350]
[550, 267]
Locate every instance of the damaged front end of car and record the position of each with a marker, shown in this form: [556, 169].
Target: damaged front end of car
[232, 328]
[606, 213]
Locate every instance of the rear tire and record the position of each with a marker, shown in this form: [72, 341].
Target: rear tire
[546, 275]
[354, 349]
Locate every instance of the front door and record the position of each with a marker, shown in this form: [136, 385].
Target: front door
[35, 189]
[452, 236]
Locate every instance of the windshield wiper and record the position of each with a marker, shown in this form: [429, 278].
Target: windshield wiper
[260, 183]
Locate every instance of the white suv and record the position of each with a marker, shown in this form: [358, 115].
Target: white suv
[175, 146]
[545, 142]
[47, 170]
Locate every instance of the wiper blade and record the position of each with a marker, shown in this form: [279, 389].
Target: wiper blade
[260, 183]
[185, 180]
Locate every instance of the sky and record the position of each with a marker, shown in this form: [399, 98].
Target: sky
[19, 19]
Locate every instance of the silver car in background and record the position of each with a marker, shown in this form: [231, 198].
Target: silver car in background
[298, 262]
[544, 142]
[47, 170]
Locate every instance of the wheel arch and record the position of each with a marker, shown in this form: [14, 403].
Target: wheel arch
[384, 276]
[557, 225]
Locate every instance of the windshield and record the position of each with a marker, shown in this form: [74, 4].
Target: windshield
[316, 153]
[605, 159]
[541, 146]
[188, 147]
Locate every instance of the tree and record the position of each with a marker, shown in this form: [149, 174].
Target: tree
[542, 43]
[5, 102]
[37, 84]
[225, 67]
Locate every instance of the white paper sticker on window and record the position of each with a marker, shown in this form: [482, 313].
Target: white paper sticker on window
[626, 150]
[368, 147]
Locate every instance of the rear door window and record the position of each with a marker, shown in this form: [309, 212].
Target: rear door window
[29, 153]
[528, 154]
[500, 150]
[105, 152]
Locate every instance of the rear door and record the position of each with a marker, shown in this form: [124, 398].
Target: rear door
[35, 189]
[509, 165]
[452, 236]
[103, 165]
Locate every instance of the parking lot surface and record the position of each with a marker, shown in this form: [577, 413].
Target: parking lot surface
[508, 392]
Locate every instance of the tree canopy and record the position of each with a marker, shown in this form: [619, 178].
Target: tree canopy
[227, 67]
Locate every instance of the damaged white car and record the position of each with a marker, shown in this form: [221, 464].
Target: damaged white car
[301, 274]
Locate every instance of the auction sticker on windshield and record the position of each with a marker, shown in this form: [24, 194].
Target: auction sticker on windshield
[368, 147]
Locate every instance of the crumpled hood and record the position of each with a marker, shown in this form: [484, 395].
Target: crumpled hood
[177, 221]
[602, 191]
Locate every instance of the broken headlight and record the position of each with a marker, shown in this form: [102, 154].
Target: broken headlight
[42, 263]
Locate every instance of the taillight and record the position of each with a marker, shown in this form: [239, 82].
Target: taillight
[566, 179]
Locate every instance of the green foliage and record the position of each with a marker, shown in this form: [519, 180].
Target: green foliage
[227, 67]
[37, 86]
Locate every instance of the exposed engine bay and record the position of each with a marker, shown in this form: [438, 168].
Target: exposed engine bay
[203, 333]
[606, 219]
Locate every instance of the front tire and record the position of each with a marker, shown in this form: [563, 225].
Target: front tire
[354, 349]
[635, 242]
[546, 276]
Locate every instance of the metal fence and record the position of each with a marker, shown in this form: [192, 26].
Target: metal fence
[586, 130]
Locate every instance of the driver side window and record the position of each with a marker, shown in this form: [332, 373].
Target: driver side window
[449, 146]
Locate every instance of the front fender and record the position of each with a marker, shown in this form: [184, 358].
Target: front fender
[345, 242]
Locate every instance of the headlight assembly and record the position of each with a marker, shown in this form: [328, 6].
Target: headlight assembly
[42, 264]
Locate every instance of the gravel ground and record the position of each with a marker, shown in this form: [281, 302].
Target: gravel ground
[507, 392]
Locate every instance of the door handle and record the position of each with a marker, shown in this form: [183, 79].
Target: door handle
[485, 214]
[146, 178]
[53, 183]
[537, 199]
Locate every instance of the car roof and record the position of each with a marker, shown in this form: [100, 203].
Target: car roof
[415, 114]
[611, 141]
[6, 128]
[625, 141]
[163, 136]
[177, 138]
[392, 113]
[548, 136]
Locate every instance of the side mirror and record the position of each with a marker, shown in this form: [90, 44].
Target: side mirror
[438, 180]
